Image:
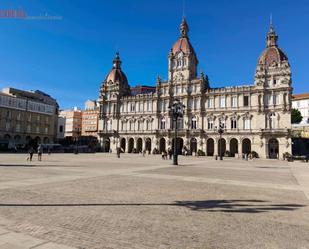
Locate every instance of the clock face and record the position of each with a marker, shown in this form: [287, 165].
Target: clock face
[179, 55]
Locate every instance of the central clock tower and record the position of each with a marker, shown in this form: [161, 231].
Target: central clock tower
[182, 60]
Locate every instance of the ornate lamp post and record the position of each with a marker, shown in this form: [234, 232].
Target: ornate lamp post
[177, 110]
[78, 132]
[220, 131]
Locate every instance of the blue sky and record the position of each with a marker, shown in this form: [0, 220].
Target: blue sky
[69, 58]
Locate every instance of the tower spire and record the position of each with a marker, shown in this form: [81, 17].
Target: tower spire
[117, 61]
[272, 37]
[184, 29]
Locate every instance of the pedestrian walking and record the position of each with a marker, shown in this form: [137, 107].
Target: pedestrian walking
[40, 152]
[30, 152]
[49, 150]
[170, 153]
[165, 155]
[118, 152]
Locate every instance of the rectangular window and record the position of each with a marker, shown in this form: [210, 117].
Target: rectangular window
[274, 99]
[222, 102]
[193, 124]
[234, 101]
[162, 124]
[7, 126]
[149, 106]
[247, 124]
[210, 124]
[233, 124]
[246, 100]
[132, 107]
[17, 127]
[210, 103]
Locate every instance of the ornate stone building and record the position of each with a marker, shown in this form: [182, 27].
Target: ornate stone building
[255, 117]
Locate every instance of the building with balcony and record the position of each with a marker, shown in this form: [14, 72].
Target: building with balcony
[27, 118]
[255, 117]
[73, 122]
[90, 119]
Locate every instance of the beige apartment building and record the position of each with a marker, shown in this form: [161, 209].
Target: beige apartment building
[27, 118]
[73, 122]
[255, 117]
[90, 119]
[301, 102]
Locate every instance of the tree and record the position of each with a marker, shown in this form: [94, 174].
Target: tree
[296, 116]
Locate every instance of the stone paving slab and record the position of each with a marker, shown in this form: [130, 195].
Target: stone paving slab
[99, 201]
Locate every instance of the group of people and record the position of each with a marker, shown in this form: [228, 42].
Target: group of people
[168, 153]
[31, 151]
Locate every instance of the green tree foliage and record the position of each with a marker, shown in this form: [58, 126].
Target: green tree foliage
[296, 116]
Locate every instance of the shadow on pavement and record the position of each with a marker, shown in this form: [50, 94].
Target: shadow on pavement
[228, 206]
[35, 165]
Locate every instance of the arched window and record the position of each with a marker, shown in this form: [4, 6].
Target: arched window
[193, 123]
[162, 124]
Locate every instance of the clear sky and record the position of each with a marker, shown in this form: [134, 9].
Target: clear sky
[69, 57]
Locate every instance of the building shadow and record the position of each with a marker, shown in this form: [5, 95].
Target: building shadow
[35, 165]
[225, 206]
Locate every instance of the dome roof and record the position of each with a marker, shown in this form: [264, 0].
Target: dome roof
[182, 44]
[272, 55]
[116, 74]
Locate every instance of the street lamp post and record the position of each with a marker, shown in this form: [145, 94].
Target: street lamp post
[220, 131]
[177, 110]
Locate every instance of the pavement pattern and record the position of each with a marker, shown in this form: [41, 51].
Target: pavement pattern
[100, 201]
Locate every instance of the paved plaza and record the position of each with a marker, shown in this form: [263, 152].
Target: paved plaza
[100, 201]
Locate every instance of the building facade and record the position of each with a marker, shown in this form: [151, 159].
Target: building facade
[90, 119]
[256, 117]
[73, 122]
[27, 118]
[61, 128]
[301, 102]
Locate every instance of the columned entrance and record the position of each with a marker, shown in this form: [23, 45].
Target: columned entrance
[107, 145]
[273, 148]
[221, 147]
[139, 145]
[210, 147]
[123, 144]
[193, 145]
[130, 145]
[246, 146]
[233, 147]
[162, 145]
[148, 144]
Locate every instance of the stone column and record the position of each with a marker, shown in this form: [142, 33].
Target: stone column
[216, 147]
[227, 145]
[239, 149]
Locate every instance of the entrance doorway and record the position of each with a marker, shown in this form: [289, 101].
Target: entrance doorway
[273, 148]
